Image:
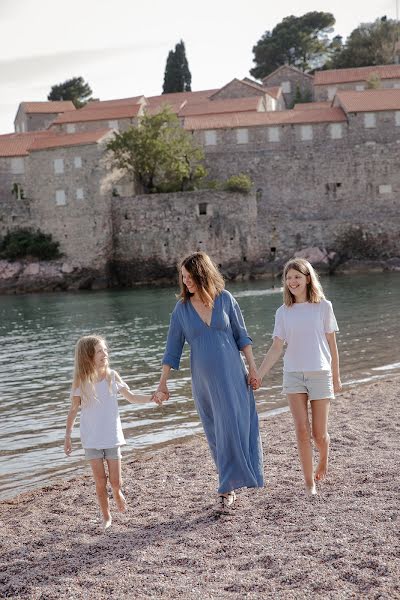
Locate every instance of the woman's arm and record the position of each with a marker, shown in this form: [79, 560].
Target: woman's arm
[272, 356]
[162, 386]
[337, 384]
[248, 353]
[73, 411]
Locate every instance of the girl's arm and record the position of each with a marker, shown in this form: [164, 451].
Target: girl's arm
[73, 411]
[337, 384]
[272, 356]
[136, 398]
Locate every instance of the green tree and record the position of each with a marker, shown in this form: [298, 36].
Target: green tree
[158, 154]
[75, 89]
[368, 45]
[177, 77]
[22, 243]
[299, 41]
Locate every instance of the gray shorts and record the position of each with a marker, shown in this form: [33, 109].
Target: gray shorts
[105, 453]
[317, 384]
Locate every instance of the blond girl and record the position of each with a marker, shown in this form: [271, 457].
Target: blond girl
[94, 391]
[306, 324]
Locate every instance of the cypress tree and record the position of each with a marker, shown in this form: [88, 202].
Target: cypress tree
[177, 76]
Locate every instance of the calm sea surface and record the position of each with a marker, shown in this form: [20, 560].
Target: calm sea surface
[38, 333]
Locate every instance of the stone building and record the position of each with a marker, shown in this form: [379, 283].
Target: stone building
[328, 83]
[292, 81]
[34, 116]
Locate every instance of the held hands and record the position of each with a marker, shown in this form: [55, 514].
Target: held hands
[161, 394]
[253, 379]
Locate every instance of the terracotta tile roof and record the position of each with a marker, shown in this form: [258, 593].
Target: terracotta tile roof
[68, 139]
[175, 101]
[228, 105]
[274, 92]
[100, 104]
[97, 114]
[47, 107]
[18, 144]
[284, 117]
[312, 105]
[174, 106]
[368, 100]
[356, 74]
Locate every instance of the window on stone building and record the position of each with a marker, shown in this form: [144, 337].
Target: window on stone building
[17, 166]
[286, 87]
[306, 132]
[385, 189]
[369, 120]
[60, 198]
[273, 134]
[77, 162]
[79, 194]
[242, 136]
[336, 131]
[17, 129]
[396, 86]
[332, 89]
[113, 125]
[397, 118]
[360, 88]
[23, 126]
[210, 137]
[58, 166]
[202, 206]
[71, 128]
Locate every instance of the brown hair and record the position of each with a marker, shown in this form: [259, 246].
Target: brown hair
[205, 275]
[315, 292]
[84, 369]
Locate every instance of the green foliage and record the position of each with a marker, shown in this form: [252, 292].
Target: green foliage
[177, 76]
[354, 243]
[238, 183]
[75, 89]
[300, 98]
[299, 41]
[368, 44]
[23, 243]
[373, 82]
[158, 154]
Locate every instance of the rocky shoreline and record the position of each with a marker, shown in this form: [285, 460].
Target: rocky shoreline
[277, 543]
[25, 276]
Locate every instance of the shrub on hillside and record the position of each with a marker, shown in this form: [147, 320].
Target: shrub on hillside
[238, 183]
[23, 243]
[355, 243]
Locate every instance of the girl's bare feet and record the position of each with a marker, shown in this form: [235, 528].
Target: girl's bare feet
[311, 489]
[120, 502]
[322, 470]
[107, 523]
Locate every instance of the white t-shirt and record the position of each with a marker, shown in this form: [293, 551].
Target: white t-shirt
[100, 423]
[303, 327]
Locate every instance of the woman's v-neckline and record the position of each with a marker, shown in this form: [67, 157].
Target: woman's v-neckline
[198, 314]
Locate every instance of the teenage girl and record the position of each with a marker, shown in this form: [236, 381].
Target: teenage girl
[307, 325]
[94, 391]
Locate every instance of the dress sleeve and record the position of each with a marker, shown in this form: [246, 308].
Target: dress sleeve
[279, 328]
[330, 323]
[239, 330]
[175, 342]
[76, 392]
[120, 384]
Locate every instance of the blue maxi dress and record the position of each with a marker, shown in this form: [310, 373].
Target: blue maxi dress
[223, 399]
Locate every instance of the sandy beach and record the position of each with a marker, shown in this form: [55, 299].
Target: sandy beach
[277, 543]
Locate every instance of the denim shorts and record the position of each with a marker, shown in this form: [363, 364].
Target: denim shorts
[105, 453]
[317, 384]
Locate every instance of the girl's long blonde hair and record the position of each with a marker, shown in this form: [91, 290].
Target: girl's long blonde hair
[205, 275]
[315, 292]
[85, 373]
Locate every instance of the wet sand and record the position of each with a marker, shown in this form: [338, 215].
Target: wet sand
[277, 543]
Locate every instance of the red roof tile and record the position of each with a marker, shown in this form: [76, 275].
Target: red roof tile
[69, 139]
[51, 107]
[228, 105]
[312, 105]
[368, 100]
[284, 117]
[100, 104]
[201, 95]
[97, 114]
[357, 74]
[18, 144]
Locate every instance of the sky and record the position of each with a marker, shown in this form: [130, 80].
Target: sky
[120, 46]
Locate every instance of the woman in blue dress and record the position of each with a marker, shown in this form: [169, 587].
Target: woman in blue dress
[209, 319]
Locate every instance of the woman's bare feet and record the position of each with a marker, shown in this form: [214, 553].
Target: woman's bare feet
[311, 489]
[226, 501]
[107, 523]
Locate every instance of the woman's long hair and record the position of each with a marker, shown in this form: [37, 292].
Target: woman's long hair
[85, 373]
[314, 289]
[205, 275]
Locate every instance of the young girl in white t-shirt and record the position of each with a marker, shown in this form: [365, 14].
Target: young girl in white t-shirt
[307, 325]
[94, 391]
